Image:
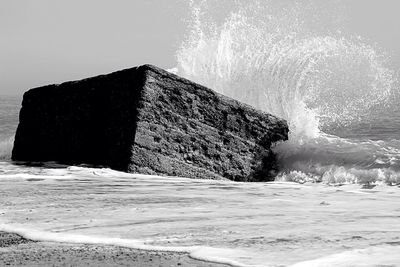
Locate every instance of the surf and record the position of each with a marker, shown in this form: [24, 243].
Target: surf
[243, 224]
[321, 83]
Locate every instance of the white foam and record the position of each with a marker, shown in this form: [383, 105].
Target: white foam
[334, 160]
[236, 223]
[197, 252]
[372, 256]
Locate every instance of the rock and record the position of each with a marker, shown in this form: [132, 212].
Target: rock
[11, 239]
[148, 121]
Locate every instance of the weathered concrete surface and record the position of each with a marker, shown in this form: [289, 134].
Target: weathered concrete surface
[149, 121]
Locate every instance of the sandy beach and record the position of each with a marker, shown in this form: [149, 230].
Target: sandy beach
[18, 251]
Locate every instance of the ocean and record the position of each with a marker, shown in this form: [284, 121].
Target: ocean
[335, 201]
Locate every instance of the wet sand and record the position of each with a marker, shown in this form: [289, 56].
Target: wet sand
[18, 251]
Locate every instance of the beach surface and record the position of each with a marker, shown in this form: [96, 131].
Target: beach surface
[15, 250]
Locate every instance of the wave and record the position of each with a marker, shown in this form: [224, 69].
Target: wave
[268, 57]
[268, 60]
[377, 255]
[332, 160]
[202, 253]
[215, 228]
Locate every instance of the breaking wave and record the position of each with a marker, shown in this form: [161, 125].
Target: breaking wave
[321, 83]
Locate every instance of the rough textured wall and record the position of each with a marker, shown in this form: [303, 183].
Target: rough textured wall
[149, 121]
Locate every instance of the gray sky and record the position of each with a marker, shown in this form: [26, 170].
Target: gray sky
[51, 41]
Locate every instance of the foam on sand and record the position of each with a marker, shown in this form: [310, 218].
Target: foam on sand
[196, 252]
[243, 224]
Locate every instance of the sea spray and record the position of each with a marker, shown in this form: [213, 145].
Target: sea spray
[270, 61]
[9, 109]
[6, 145]
[320, 83]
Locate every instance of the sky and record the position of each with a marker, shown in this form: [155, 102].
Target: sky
[51, 41]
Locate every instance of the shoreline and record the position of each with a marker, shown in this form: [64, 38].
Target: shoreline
[15, 250]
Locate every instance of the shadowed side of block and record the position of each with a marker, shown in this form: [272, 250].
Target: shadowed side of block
[89, 121]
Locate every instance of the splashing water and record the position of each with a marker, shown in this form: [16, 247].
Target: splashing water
[311, 81]
[6, 146]
[266, 57]
[9, 108]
